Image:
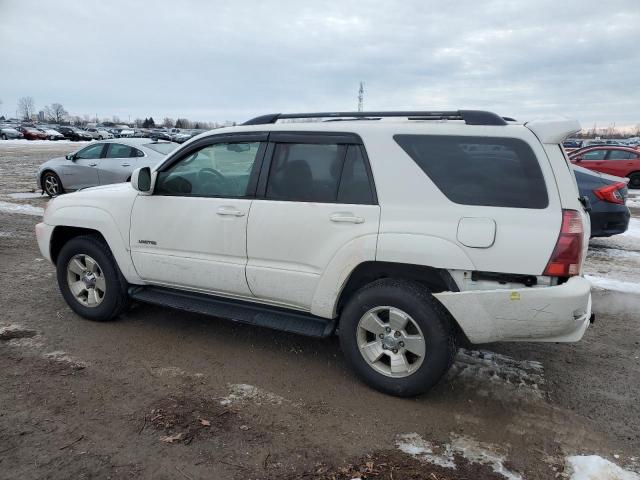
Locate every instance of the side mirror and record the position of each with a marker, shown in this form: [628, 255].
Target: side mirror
[70, 156]
[141, 180]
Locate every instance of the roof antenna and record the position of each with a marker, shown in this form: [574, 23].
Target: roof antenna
[361, 97]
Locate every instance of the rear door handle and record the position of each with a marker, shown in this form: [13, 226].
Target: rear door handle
[126, 164]
[345, 218]
[230, 212]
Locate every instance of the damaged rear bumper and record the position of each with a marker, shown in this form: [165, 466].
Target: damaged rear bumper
[545, 314]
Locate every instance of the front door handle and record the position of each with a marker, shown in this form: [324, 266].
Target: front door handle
[126, 164]
[345, 218]
[93, 164]
[230, 212]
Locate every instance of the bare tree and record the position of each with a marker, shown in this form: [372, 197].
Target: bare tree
[55, 113]
[168, 122]
[26, 107]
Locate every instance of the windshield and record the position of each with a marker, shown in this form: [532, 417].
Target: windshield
[162, 147]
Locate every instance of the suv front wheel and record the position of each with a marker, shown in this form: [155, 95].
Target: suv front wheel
[90, 280]
[397, 337]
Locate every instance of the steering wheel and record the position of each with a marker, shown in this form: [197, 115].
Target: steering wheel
[212, 171]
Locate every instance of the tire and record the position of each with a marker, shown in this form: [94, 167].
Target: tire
[425, 317]
[634, 180]
[51, 184]
[108, 297]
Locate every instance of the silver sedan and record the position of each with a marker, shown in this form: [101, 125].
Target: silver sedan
[100, 163]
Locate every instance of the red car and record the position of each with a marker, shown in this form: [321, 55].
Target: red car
[614, 160]
[32, 133]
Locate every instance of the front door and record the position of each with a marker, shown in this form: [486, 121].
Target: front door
[82, 171]
[191, 232]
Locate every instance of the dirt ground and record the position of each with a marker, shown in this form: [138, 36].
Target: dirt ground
[173, 395]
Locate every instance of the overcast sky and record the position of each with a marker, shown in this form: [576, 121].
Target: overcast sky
[216, 61]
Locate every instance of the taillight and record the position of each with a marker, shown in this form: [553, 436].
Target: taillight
[567, 255]
[611, 193]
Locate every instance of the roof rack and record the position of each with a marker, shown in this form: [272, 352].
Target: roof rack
[470, 117]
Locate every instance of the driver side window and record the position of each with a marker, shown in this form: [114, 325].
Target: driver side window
[218, 170]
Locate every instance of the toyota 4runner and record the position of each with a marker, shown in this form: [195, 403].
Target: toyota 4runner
[403, 233]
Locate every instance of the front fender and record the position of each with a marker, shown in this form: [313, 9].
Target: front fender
[95, 218]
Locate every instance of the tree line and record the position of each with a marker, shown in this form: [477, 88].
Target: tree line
[56, 113]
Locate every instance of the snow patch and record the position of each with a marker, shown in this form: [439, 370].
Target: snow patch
[444, 455]
[242, 392]
[64, 357]
[634, 228]
[22, 195]
[488, 367]
[594, 467]
[25, 209]
[612, 284]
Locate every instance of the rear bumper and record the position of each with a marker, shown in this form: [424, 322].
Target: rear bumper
[605, 224]
[543, 314]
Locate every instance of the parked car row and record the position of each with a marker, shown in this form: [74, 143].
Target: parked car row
[62, 132]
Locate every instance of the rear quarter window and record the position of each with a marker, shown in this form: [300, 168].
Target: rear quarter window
[483, 171]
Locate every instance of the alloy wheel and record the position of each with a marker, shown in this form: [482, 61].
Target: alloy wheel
[86, 280]
[51, 185]
[391, 342]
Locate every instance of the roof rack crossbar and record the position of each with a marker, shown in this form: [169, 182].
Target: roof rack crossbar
[470, 117]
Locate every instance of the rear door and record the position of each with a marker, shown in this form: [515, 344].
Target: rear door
[119, 162]
[315, 197]
[620, 162]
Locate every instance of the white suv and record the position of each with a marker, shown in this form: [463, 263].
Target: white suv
[403, 232]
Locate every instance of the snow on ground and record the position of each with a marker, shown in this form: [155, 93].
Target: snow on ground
[593, 467]
[444, 455]
[612, 284]
[488, 368]
[613, 263]
[242, 392]
[25, 195]
[8, 207]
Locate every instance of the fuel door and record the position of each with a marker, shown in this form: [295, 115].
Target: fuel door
[477, 232]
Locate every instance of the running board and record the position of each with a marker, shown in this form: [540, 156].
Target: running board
[237, 310]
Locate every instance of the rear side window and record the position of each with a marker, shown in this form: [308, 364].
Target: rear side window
[323, 173]
[620, 155]
[305, 172]
[486, 171]
[355, 186]
[117, 150]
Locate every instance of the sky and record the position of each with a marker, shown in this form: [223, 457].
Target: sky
[232, 60]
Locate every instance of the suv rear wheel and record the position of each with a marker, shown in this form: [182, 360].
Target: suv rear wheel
[90, 280]
[397, 337]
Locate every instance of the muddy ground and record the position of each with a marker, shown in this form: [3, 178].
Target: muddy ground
[168, 394]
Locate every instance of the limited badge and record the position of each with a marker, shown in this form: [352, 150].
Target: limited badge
[514, 296]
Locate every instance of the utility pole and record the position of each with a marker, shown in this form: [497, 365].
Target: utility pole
[361, 97]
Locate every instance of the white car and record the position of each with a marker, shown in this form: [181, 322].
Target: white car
[404, 234]
[99, 133]
[51, 133]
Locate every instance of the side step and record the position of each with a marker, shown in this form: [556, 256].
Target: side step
[237, 310]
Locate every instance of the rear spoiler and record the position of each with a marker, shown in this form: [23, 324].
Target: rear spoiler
[553, 131]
